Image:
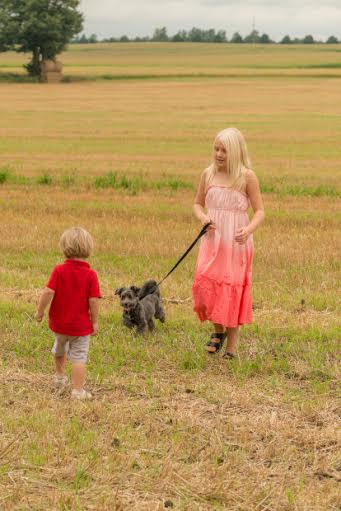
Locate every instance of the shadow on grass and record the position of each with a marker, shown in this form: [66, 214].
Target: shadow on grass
[17, 78]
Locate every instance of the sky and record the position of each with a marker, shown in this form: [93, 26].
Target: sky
[297, 18]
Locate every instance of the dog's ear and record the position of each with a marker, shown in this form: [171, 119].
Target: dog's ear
[119, 291]
[135, 289]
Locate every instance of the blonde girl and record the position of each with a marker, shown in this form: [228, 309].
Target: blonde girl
[222, 281]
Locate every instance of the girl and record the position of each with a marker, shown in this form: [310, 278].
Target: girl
[222, 282]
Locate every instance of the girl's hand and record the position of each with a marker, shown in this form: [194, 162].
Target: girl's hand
[242, 235]
[207, 220]
[39, 316]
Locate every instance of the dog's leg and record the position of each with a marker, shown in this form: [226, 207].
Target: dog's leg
[141, 327]
[151, 325]
[127, 322]
[160, 313]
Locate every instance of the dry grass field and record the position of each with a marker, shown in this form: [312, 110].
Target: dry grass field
[118, 149]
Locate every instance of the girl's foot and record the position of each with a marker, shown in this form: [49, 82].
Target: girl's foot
[228, 355]
[60, 380]
[80, 394]
[216, 342]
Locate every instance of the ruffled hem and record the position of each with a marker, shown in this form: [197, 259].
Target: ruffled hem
[226, 304]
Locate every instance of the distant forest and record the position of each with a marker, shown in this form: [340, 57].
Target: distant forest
[198, 35]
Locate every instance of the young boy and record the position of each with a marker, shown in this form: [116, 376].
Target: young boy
[73, 291]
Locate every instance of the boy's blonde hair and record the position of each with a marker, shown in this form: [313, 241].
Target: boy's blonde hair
[75, 243]
[238, 160]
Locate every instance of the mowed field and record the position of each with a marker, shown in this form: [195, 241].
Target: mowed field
[118, 149]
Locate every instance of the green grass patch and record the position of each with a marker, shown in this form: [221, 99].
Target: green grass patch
[4, 175]
[44, 179]
[131, 184]
[136, 184]
[299, 190]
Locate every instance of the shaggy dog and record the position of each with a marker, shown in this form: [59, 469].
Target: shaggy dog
[141, 305]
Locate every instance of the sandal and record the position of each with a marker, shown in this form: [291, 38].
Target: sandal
[216, 345]
[229, 355]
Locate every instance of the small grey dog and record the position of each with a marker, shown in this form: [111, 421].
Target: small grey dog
[141, 305]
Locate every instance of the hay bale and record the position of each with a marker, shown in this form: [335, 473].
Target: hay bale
[48, 65]
[58, 66]
[52, 77]
[51, 71]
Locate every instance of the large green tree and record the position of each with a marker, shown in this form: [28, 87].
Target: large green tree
[41, 27]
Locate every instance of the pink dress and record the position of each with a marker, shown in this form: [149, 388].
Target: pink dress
[222, 281]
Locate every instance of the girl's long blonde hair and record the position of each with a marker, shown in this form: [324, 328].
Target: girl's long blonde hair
[238, 160]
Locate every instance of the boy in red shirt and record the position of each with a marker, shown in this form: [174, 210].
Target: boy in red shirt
[73, 291]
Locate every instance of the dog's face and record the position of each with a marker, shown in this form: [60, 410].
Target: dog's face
[128, 297]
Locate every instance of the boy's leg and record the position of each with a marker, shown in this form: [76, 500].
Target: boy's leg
[59, 350]
[60, 363]
[78, 375]
[78, 352]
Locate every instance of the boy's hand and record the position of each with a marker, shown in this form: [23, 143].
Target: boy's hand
[95, 328]
[39, 316]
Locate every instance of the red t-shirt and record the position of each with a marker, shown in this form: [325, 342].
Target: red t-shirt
[73, 282]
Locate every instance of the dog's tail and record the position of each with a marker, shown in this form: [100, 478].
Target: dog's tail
[149, 288]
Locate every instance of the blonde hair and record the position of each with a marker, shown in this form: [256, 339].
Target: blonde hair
[76, 243]
[238, 160]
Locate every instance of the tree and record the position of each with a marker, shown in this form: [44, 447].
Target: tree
[253, 37]
[332, 40]
[180, 36]
[286, 40]
[195, 35]
[42, 27]
[83, 39]
[160, 34]
[237, 38]
[220, 37]
[308, 39]
[265, 39]
[92, 39]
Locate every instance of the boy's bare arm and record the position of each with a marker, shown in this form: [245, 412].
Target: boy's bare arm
[94, 311]
[44, 300]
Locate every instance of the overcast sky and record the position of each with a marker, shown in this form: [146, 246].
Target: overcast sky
[277, 18]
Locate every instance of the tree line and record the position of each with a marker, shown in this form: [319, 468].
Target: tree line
[198, 35]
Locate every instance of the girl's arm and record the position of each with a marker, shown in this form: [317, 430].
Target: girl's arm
[199, 202]
[94, 312]
[44, 300]
[253, 192]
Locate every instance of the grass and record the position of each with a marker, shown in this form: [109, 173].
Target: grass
[44, 179]
[170, 426]
[4, 175]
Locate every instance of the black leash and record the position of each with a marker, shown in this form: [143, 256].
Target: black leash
[201, 233]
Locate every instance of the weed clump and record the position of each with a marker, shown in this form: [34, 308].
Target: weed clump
[132, 184]
[136, 184]
[4, 175]
[44, 179]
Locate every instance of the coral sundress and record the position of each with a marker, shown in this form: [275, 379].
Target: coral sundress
[222, 281]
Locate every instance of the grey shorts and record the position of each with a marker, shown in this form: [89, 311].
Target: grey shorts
[76, 348]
